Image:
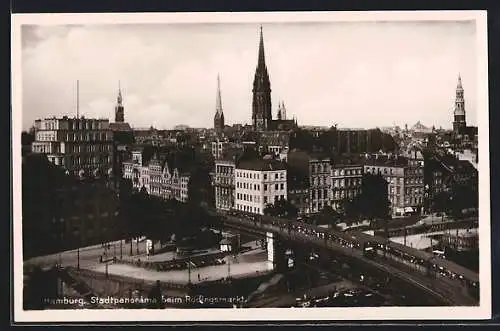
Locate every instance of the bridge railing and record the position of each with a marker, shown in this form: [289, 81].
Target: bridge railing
[347, 244]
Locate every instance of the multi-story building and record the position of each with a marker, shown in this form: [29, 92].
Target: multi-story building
[219, 147]
[405, 179]
[259, 182]
[442, 171]
[157, 177]
[319, 183]
[414, 181]
[62, 212]
[224, 184]
[346, 178]
[75, 144]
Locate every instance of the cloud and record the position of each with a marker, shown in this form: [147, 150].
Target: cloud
[354, 74]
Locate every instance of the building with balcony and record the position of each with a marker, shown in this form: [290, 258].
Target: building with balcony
[224, 184]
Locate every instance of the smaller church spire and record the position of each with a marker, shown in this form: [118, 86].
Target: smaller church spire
[459, 84]
[119, 109]
[119, 99]
[218, 101]
[219, 115]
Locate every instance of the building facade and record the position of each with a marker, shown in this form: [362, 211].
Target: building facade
[62, 212]
[219, 147]
[224, 184]
[75, 144]
[405, 178]
[345, 182]
[319, 183]
[259, 182]
[156, 177]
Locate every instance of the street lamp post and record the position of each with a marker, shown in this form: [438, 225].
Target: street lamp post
[121, 249]
[78, 257]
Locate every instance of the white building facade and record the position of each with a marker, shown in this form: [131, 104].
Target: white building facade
[259, 183]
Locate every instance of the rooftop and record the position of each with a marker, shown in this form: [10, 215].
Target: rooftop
[386, 160]
[261, 165]
[117, 126]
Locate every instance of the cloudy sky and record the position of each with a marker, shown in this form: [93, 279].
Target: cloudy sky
[354, 74]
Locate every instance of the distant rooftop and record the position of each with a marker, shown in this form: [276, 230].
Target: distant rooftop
[119, 126]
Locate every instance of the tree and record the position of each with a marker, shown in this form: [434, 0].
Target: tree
[373, 200]
[350, 209]
[281, 208]
[441, 202]
[329, 216]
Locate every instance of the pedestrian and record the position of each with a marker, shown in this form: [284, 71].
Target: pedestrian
[198, 277]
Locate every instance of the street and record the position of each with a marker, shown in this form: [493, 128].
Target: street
[89, 256]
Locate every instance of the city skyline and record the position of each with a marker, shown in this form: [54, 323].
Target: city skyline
[170, 70]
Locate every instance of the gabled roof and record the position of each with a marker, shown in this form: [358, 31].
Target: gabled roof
[120, 126]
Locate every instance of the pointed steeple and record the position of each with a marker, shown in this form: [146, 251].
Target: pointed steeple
[261, 101]
[119, 99]
[218, 101]
[219, 115]
[262, 60]
[459, 83]
[119, 109]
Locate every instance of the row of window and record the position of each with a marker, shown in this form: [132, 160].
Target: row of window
[41, 148]
[347, 172]
[224, 170]
[256, 175]
[249, 209]
[320, 168]
[46, 136]
[256, 187]
[82, 160]
[224, 180]
[93, 148]
[256, 198]
[89, 136]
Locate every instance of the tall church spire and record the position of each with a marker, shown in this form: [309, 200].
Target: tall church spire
[219, 114]
[261, 102]
[119, 109]
[262, 60]
[218, 101]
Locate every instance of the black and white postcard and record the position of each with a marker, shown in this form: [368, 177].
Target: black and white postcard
[251, 166]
